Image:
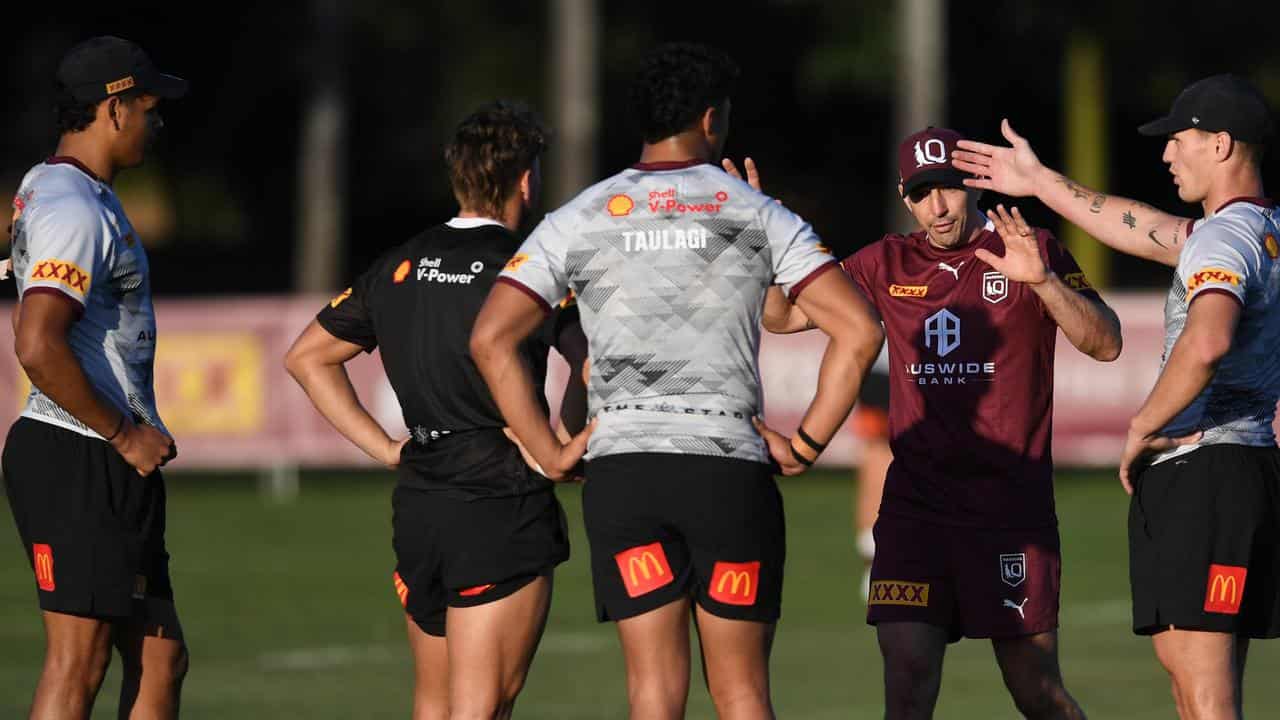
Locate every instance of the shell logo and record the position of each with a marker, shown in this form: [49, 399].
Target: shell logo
[402, 272]
[620, 205]
[1272, 248]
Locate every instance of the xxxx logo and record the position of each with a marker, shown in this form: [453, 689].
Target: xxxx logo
[644, 569]
[914, 291]
[899, 592]
[1212, 275]
[735, 583]
[402, 590]
[64, 273]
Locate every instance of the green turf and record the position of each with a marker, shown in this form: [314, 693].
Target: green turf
[290, 613]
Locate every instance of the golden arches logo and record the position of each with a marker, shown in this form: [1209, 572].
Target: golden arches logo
[340, 298]
[642, 563]
[1225, 589]
[42, 558]
[735, 583]
[735, 579]
[643, 569]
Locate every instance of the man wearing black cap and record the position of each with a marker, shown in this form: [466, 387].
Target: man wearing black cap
[967, 537]
[1201, 461]
[81, 463]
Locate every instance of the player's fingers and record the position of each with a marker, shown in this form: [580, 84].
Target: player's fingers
[977, 147]
[981, 183]
[1124, 480]
[1191, 439]
[987, 256]
[753, 174]
[1006, 129]
[1024, 228]
[965, 160]
[730, 168]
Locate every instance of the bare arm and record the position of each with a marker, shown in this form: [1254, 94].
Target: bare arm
[1091, 326]
[839, 310]
[316, 361]
[1128, 226]
[781, 316]
[507, 318]
[1205, 340]
[44, 353]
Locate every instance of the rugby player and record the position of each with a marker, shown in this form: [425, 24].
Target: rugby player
[670, 260]
[967, 540]
[1200, 461]
[477, 533]
[81, 463]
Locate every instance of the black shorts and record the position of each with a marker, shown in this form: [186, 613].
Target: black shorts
[462, 553]
[92, 527]
[663, 526]
[1204, 542]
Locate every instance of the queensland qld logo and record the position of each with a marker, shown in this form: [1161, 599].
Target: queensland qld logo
[995, 287]
[942, 332]
[1013, 568]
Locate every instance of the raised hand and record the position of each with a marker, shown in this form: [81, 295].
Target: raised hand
[1022, 261]
[753, 175]
[1009, 170]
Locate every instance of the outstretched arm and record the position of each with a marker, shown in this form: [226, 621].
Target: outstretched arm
[1090, 325]
[1129, 226]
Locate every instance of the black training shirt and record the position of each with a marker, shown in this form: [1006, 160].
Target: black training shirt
[417, 303]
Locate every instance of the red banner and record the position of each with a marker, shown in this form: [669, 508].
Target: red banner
[222, 389]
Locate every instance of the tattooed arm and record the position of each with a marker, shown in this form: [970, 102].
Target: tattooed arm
[1129, 226]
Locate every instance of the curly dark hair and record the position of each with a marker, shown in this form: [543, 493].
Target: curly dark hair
[71, 115]
[489, 152]
[676, 84]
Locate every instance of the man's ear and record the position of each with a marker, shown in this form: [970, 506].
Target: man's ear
[905, 202]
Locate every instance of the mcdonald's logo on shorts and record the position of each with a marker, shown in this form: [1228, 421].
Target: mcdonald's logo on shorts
[474, 591]
[644, 569]
[1225, 589]
[42, 557]
[735, 583]
[402, 590]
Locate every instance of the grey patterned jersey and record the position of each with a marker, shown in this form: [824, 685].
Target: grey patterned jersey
[1233, 251]
[71, 238]
[670, 263]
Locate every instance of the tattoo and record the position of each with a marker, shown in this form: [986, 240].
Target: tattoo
[1078, 190]
[1129, 220]
[1152, 235]
[1098, 201]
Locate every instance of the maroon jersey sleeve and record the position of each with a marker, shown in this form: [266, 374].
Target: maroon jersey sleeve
[861, 268]
[1059, 260]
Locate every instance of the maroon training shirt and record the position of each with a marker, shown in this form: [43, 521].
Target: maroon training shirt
[971, 380]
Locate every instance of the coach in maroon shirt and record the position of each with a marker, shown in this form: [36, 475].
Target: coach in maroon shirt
[967, 538]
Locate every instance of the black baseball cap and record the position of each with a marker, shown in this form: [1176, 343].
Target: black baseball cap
[104, 66]
[1222, 103]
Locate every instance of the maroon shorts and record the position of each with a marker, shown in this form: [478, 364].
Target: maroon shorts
[975, 582]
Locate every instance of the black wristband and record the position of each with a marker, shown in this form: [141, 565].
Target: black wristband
[800, 458]
[817, 446]
[119, 427]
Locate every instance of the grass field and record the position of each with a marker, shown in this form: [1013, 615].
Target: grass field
[290, 613]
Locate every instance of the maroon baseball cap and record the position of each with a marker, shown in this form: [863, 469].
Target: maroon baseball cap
[924, 158]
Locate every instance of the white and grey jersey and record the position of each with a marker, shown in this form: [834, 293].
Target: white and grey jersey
[71, 238]
[1233, 251]
[670, 263]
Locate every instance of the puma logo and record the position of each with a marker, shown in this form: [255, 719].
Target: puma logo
[955, 271]
[1010, 604]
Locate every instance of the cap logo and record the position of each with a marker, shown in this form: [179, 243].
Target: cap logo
[1195, 120]
[931, 152]
[120, 85]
